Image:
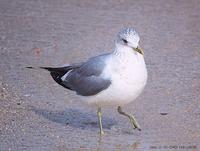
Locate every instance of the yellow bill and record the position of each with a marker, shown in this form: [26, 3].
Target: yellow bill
[139, 49]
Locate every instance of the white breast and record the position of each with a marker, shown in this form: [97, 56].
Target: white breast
[128, 76]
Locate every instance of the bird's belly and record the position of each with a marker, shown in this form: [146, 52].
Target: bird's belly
[125, 87]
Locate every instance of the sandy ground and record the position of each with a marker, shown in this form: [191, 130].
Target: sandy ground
[38, 115]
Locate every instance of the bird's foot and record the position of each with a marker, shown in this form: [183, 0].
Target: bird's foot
[134, 123]
[132, 119]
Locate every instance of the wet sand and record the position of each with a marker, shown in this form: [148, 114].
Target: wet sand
[37, 114]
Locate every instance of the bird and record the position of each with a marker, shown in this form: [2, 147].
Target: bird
[111, 79]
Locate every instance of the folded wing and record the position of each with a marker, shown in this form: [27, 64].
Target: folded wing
[85, 79]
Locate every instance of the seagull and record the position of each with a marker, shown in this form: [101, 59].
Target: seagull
[112, 79]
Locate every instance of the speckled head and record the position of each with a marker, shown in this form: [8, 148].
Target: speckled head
[130, 38]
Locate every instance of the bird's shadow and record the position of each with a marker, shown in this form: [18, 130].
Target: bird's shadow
[74, 118]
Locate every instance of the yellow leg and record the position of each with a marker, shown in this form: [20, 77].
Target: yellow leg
[100, 122]
[132, 119]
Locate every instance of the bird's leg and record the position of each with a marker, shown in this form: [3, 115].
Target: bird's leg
[132, 119]
[99, 118]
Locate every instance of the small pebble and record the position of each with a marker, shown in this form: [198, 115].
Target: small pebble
[163, 113]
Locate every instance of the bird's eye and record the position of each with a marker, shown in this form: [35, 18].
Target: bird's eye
[125, 41]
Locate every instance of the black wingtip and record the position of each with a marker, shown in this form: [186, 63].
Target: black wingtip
[30, 67]
[48, 68]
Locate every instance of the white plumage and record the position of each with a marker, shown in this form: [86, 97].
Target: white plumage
[127, 70]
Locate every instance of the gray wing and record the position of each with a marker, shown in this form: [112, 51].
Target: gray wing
[87, 80]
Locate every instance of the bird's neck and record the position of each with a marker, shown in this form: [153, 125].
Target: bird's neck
[123, 51]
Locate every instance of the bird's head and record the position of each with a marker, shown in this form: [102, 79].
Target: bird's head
[128, 37]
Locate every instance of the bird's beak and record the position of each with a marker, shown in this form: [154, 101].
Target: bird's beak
[139, 49]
